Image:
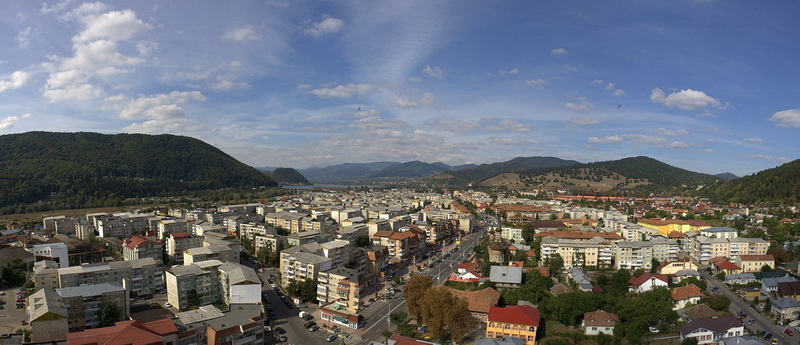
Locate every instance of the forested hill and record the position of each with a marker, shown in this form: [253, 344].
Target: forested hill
[288, 176]
[72, 169]
[780, 184]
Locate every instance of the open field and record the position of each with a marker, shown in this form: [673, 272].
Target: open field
[37, 216]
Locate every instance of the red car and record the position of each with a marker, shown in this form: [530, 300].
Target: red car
[788, 331]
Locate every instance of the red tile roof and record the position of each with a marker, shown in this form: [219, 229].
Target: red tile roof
[480, 301]
[600, 318]
[579, 235]
[638, 281]
[134, 241]
[516, 314]
[180, 236]
[685, 292]
[767, 257]
[125, 332]
[401, 340]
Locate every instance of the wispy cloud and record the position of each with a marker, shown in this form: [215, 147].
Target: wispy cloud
[786, 118]
[580, 107]
[327, 25]
[754, 140]
[536, 83]
[242, 34]
[559, 51]
[511, 71]
[17, 80]
[433, 72]
[767, 158]
[342, 91]
[405, 102]
[10, 120]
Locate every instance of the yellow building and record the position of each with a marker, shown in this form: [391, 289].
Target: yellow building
[665, 226]
[754, 263]
[519, 321]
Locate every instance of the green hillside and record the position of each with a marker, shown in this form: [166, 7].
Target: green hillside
[288, 176]
[485, 171]
[780, 184]
[75, 168]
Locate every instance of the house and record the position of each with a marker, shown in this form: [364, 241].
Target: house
[790, 289]
[722, 265]
[133, 332]
[741, 279]
[671, 267]
[770, 285]
[700, 311]
[785, 309]
[647, 282]
[579, 277]
[599, 321]
[710, 331]
[505, 276]
[754, 263]
[519, 321]
[683, 295]
[478, 302]
[684, 274]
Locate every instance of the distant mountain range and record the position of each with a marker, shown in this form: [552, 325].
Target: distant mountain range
[376, 171]
[485, 171]
[75, 170]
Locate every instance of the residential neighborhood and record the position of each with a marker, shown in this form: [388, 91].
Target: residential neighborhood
[342, 261]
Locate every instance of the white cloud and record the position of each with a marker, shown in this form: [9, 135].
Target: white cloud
[24, 37]
[366, 113]
[513, 142]
[605, 140]
[96, 53]
[511, 71]
[579, 107]
[452, 125]
[342, 91]
[327, 25]
[415, 79]
[17, 80]
[687, 99]
[8, 121]
[426, 99]
[643, 139]
[373, 123]
[559, 51]
[571, 68]
[242, 34]
[787, 118]
[56, 7]
[495, 124]
[596, 82]
[618, 92]
[161, 106]
[672, 133]
[754, 140]
[537, 83]
[433, 72]
[767, 158]
[583, 121]
[678, 145]
[708, 151]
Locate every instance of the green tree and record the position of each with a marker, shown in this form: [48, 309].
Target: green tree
[108, 314]
[555, 263]
[646, 309]
[689, 341]
[445, 315]
[568, 308]
[193, 299]
[693, 280]
[308, 290]
[527, 232]
[718, 302]
[414, 290]
[363, 241]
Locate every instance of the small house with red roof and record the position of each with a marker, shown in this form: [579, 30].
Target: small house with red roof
[647, 282]
[129, 332]
[683, 295]
[140, 247]
[519, 321]
[599, 321]
[720, 264]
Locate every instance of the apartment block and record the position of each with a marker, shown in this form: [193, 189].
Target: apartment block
[290, 221]
[45, 275]
[594, 252]
[171, 226]
[341, 287]
[218, 239]
[144, 275]
[633, 255]
[179, 242]
[59, 225]
[702, 248]
[303, 262]
[200, 279]
[239, 284]
[83, 303]
[242, 324]
[273, 242]
[56, 252]
[140, 247]
[219, 252]
[47, 316]
[338, 251]
[512, 233]
[402, 245]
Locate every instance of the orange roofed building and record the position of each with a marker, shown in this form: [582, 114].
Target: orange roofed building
[128, 333]
[519, 321]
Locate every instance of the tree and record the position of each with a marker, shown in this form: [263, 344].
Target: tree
[646, 309]
[693, 280]
[568, 308]
[193, 299]
[308, 290]
[108, 314]
[653, 265]
[718, 302]
[555, 263]
[527, 232]
[689, 341]
[414, 291]
[445, 315]
[363, 241]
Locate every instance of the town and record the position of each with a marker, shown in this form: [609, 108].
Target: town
[393, 266]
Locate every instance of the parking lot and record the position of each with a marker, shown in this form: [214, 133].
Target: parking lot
[10, 316]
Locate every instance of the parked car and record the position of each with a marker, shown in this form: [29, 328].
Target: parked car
[282, 338]
[654, 330]
[280, 330]
[302, 305]
[330, 338]
[309, 324]
[2, 293]
[788, 331]
[768, 336]
[167, 305]
[797, 328]
[751, 321]
[313, 328]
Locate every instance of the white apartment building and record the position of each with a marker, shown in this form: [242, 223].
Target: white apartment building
[51, 251]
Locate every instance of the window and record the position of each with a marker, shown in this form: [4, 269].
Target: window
[506, 326]
[531, 329]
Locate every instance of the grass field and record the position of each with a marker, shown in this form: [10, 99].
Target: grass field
[38, 216]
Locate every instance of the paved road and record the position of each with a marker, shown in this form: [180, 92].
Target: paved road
[761, 322]
[376, 315]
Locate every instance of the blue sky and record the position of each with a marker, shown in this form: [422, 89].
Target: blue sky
[710, 86]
